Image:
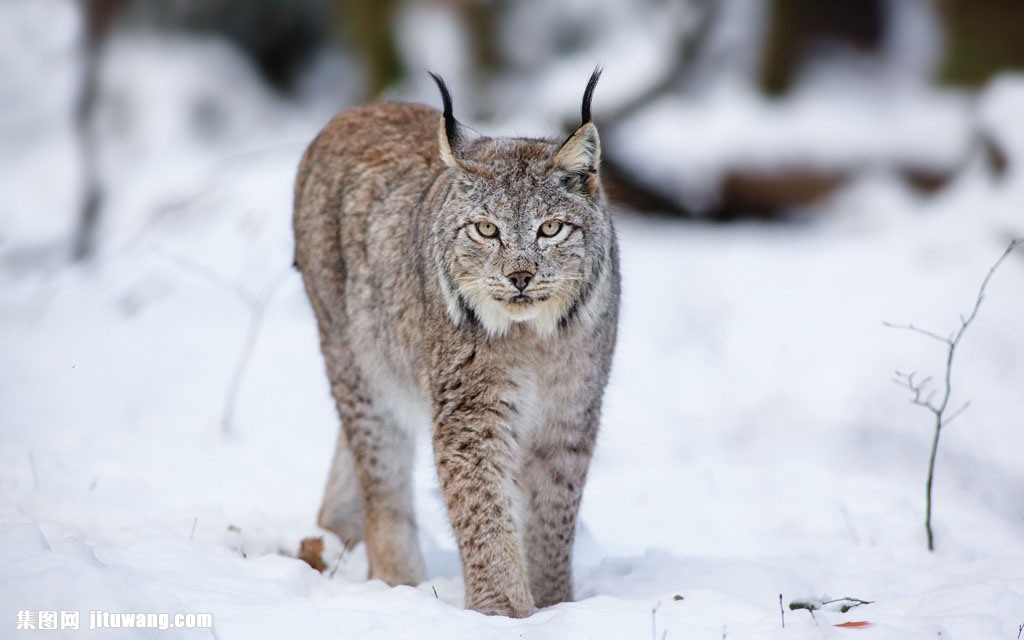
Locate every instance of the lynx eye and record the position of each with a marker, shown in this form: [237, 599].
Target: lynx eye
[550, 229]
[487, 229]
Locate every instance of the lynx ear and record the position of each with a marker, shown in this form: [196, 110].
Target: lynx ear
[452, 136]
[580, 156]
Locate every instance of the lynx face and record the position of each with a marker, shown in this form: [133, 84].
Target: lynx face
[523, 231]
[519, 241]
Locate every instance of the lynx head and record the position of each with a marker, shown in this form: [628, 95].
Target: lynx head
[524, 233]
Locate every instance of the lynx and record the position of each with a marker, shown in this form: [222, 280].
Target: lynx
[472, 284]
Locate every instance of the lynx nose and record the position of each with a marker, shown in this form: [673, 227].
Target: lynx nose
[520, 279]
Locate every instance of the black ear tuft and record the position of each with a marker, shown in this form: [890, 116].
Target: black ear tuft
[589, 94]
[450, 126]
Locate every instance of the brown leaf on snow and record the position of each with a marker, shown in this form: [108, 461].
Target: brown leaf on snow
[858, 624]
[311, 552]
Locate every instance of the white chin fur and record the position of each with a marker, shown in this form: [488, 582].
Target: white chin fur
[498, 317]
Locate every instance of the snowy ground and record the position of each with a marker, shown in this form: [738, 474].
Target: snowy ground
[753, 443]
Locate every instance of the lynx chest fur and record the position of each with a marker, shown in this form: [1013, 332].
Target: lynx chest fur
[471, 284]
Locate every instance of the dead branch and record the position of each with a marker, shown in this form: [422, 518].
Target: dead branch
[922, 397]
[256, 304]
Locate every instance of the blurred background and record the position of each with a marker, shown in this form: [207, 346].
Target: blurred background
[709, 109]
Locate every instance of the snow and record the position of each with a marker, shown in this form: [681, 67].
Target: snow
[753, 443]
[688, 144]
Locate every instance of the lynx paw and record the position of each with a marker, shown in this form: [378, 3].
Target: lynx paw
[517, 603]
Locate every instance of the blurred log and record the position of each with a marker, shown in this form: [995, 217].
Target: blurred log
[750, 193]
[745, 194]
[757, 194]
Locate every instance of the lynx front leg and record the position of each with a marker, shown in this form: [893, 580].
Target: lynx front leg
[342, 508]
[554, 470]
[474, 450]
[383, 455]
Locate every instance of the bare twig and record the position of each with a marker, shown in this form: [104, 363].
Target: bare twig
[922, 397]
[782, 612]
[654, 622]
[337, 564]
[919, 330]
[956, 414]
[256, 304]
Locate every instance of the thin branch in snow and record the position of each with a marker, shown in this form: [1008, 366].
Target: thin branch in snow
[654, 622]
[916, 387]
[956, 414]
[337, 564]
[256, 304]
[919, 330]
[922, 397]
